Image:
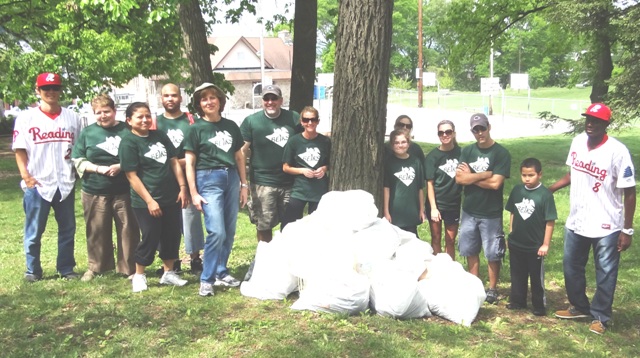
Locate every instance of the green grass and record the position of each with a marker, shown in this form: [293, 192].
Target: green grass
[56, 318]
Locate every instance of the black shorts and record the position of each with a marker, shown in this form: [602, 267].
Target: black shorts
[450, 217]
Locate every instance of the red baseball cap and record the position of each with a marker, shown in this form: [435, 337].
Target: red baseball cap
[598, 110]
[48, 79]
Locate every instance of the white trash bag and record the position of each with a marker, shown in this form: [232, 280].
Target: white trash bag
[451, 292]
[345, 294]
[271, 279]
[394, 291]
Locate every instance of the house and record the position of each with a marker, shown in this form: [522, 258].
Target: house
[238, 58]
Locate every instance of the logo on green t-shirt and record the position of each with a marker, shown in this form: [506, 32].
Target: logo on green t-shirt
[480, 165]
[176, 136]
[311, 156]
[157, 152]
[280, 136]
[222, 140]
[526, 208]
[406, 175]
[449, 167]
[110, 145]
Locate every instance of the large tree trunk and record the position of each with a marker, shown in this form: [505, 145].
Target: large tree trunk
[604, 63]
[303, 71]
[194, 35]
[360, 95]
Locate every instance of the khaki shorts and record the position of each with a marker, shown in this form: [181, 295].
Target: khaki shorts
[267, 205]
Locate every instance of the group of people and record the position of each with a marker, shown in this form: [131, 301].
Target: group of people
[154, 180]
[602, 206]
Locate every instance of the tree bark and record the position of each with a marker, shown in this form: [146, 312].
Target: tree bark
[360, 95]
[194, 35]
[303, 70]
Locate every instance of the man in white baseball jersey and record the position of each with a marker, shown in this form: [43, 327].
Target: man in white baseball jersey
[602, 205]
[42, 140]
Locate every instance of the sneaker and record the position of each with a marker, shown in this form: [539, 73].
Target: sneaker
[196, 265]
[597, 327]
[492, 296]
[172, 278]
[515, 306]
[29, 277]
[247, 277]
[88, 276]
[177, 268]
[70, 276]
[571, 313]
[206, 289]
[539, 312]
[227, 281]
[139, 282]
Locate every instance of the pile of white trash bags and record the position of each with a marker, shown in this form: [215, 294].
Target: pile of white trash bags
[344, 259]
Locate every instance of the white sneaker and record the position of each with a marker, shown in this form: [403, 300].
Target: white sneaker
[206, 289]
[139, 282]
[172, 278]
[227, 281]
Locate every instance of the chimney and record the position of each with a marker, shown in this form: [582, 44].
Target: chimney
[285, 36]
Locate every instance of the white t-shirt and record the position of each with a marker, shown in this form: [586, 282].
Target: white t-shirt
[48, 143]
[598, 179]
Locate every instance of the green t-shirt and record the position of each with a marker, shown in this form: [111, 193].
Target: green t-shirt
[313, 154]
[531, 210]
[404, 178]
[100, 146]
[441, 167]
[479, 202]
[414, 151]
[214, 144]
[175, 129]
[268, 138]
[150, 158]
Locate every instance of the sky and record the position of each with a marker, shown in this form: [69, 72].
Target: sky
[248, 25]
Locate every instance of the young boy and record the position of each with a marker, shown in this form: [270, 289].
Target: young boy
[533, 215]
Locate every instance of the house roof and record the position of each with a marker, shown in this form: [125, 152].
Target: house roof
[277, 54]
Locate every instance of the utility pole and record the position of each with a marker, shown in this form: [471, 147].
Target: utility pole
[419, 69]
[491, 76]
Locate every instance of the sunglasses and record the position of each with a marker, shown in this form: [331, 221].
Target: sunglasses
[270, 98]
[478, 129]
[447, 132]
[405, 125]
[312, 119]
[51, 88]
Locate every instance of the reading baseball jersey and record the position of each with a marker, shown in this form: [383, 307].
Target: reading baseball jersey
[598, 179]
[48, 143]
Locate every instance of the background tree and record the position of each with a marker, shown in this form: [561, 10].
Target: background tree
[363, 47]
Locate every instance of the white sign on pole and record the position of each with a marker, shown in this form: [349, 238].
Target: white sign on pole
[429, 79]
[519, 81]
[417, 73]
[490, 86]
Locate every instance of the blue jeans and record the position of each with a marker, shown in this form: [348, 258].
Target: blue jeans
[606, 258]
[192, 230]
[36, 211]
[221, 189]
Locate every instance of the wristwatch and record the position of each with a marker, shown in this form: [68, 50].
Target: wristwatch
[628, 231]
[246, 186]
